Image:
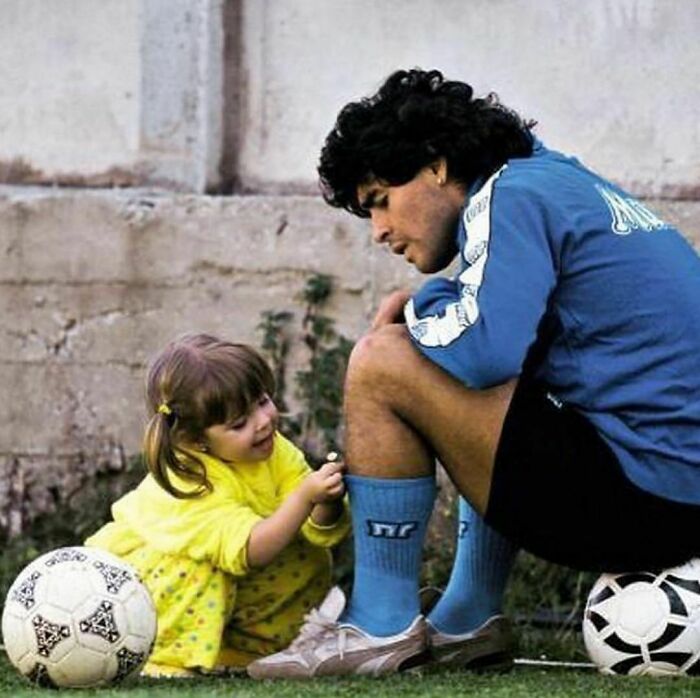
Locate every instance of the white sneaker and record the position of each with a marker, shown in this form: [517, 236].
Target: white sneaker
[325, 647]
[490, 645]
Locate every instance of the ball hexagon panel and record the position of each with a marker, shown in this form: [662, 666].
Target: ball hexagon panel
[69, 589]
[84, 667]
[140, 613]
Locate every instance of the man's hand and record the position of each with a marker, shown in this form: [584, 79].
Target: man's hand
[325, 484]
[391, 309]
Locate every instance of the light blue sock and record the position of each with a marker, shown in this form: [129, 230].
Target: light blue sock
[479, 575]
[389, 521]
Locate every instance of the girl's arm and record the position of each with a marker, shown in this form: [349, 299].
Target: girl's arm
[315, 496]
[328, 513]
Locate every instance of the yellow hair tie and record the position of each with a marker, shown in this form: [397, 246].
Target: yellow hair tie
[164, 409]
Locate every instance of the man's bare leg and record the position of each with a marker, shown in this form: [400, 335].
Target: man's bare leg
[402, 411]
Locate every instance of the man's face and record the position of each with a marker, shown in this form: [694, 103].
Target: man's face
[418, 219]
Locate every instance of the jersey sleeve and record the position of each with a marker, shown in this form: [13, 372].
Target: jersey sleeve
[220, 535]
[291, 469]
[480, 325]
[213, 528]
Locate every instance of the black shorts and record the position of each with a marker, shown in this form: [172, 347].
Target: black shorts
[559, 491]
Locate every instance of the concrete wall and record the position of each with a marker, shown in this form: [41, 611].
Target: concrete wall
[92, 283]
[111, 93]
[613, 81]
[198, 94]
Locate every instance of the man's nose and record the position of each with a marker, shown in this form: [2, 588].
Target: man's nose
[380, 228]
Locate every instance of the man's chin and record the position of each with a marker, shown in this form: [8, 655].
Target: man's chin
[419, 264]
[427, 267]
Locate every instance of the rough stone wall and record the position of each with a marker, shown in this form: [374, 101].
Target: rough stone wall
[93, 283]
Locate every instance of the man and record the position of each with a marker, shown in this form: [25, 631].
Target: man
[556, 377]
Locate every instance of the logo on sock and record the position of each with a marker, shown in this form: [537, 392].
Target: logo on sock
[391, 529]
[463, 528]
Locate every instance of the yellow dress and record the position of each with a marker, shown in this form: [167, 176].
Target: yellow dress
[213, 609]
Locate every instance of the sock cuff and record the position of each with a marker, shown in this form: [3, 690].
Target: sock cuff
[360, 483]
[386, 497]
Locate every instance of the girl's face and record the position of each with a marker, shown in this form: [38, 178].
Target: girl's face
[249, 438]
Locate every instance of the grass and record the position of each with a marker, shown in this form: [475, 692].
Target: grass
[535, 586]
[522, 681]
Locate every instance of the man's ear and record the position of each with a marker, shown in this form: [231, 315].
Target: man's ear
[439, 169]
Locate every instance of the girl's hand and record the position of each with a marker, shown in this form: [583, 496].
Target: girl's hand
[326, 484]
[318, 496]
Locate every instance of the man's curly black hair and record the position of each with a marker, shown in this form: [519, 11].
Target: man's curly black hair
[415, 118]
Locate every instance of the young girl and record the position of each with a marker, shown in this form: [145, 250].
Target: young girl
[230, 528]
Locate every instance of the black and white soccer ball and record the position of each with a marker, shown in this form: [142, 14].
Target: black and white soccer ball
[645, 623]
[78, 617]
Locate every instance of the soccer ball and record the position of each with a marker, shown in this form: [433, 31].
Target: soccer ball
[78, 617]
[645, 623]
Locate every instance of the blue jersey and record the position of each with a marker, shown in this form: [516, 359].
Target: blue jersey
[544, 242]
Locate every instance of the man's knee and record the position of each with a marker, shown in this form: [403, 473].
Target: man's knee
[381, 355]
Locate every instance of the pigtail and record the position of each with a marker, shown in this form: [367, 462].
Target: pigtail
[162, 456]
[195, 382]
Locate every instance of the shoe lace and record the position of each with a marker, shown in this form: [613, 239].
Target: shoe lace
[317, 626]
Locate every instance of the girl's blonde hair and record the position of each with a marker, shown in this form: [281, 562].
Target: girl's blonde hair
[198, 380]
